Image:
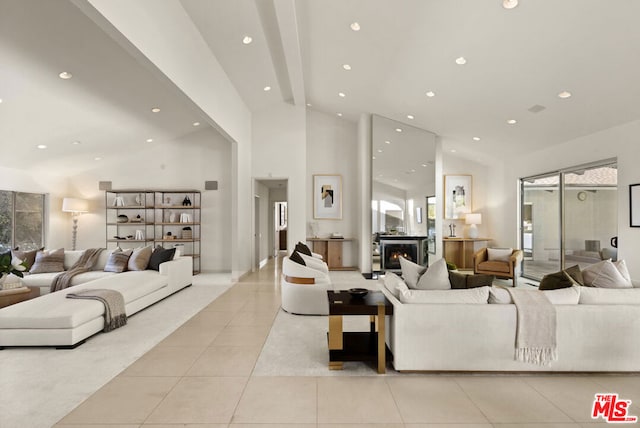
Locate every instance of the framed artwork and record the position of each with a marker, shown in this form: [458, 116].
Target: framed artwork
[458, 196]
[418, 215]
[634, 205]
[327, 197]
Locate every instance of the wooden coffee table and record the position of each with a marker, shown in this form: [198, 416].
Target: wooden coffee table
[358, 346]
[17, 295]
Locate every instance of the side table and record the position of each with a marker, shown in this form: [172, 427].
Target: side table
[358, 346]
[17, 295]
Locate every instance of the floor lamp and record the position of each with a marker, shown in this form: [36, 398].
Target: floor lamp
[75, 207]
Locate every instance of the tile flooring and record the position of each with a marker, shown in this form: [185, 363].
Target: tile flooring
[201, 376]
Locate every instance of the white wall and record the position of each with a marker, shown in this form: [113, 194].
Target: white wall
[265, 216]
[618, 142]
[332, 149]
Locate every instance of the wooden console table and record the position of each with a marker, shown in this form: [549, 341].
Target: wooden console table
[460, 250]
[331, 251]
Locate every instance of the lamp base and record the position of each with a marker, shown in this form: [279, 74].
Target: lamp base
[472, 231]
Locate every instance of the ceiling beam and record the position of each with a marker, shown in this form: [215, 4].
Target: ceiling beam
[288, 23]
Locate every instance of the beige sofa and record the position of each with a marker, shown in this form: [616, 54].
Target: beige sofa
[54, 320]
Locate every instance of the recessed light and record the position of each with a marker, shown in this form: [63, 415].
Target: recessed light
[564, 94]
[155, 110]
[430, 94]
[65, 75]
[453, 150]
[355, 26]
[339, 114]
[266, 88]
[461, 60]
[341, 94]
[76, 143]
[0, 100]
[41, 146]
[476, 138]
[424, 165]
[387, 142]
[398, 129]
[412, 170]
[512, 121]
[379, 150]
[346, 67]
[97, 158]
[149, 140]
[247, 40]
[196, 123]
[410, 116]
[308, 104]
[509, 4]
[373, 157]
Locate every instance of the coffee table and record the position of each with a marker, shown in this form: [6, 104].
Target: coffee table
[17, 295]
[358, 346]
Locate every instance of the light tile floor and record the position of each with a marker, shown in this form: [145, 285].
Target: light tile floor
[201, 376]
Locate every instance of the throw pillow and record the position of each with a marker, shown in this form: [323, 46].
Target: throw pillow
[499, 254]
[28, 257]
[314, 263]
[391, 282]
[605, 274]
[436, 277]
[499, 295]
[117, 261]
[159, 256]
[621, 265]
[139, 260]
[575, 273]
[411, 272]
[48, 261]
[564, 296]
[296, 257]
[458, 280]
[479, 280]
[478, 295]
[303, 249]
[563, 279]
[609, 296]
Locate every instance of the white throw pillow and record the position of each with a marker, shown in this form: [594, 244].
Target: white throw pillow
[621, 265]
[478, 295]
[605, 274]
[411, 272]
[391, 282]
[436, 277]
[499, 254]
[562, 296]
[314, 263]
[609, 296]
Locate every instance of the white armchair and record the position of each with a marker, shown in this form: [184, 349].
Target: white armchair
[304, 289]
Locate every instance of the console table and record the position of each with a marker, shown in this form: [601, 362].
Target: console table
[460, 250]
[331, 251]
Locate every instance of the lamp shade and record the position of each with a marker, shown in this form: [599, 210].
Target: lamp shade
[73, 205]
[473, 218]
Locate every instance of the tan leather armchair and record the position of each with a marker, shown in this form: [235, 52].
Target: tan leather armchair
[510, 269]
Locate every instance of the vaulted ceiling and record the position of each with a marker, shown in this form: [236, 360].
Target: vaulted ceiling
[517, 63]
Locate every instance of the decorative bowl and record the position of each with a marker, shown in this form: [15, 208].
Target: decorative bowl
[122, 219]
[358, 293]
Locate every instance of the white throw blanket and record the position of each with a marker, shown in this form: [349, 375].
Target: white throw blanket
[536, 328]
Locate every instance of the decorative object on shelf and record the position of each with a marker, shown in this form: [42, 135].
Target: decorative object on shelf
[472, 219]
[169, 236]
[327, 196]
[452, 230]
[75, 207]
[122, 219]
[457, 196]
[118, 201]
[139, 199]
[139, 235]
[187, 233]
[136, 219]
[167, 201]
[185, 218]
[172, 217]
[10, 265]
[186, 202]
[313, 226]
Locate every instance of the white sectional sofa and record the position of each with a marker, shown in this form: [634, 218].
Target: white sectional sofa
[599, 334]
[54, 320]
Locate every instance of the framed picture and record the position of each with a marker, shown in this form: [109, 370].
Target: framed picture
[418, 215]
[634, 205]
[327, 197]
[458, 196]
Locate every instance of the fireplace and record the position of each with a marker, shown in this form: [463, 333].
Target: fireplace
[392, 249]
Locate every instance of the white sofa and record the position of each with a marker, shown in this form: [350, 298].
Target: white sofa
[304, 288]
[54, 320]
[481, 337]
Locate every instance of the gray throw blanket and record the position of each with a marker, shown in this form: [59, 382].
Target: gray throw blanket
[536, 329]
[114, 311]
[84, 264]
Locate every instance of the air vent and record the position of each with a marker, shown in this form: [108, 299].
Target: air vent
[536, 108]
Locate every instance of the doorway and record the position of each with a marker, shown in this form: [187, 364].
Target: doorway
[271, 218]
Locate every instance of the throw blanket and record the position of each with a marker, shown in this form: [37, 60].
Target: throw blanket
[84, 264]
[536, 329]
[114, 312]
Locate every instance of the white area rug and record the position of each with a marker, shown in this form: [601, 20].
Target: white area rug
[297, 344]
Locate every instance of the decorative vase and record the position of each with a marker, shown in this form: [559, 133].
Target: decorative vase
[172, 217]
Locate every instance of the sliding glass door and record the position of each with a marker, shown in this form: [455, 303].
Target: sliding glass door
[568, 217]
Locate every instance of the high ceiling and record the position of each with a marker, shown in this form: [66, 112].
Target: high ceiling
[515, 59]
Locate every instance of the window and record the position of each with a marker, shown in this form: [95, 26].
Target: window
[21, 220]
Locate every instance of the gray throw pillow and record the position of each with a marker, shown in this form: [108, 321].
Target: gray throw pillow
[139, 260]
[28, 257]
[118, 261]
[48, 261]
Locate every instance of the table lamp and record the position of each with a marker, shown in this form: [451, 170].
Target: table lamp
[75, 207]
[473, 219]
